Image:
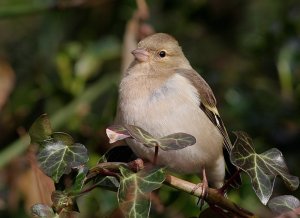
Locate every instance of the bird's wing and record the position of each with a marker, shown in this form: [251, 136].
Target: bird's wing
[207, 102]
[208, 105]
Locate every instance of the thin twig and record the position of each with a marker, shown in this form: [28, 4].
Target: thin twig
[87, 190]
[111, 168]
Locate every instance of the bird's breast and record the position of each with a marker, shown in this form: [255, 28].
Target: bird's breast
[153, 102]
[164, 107]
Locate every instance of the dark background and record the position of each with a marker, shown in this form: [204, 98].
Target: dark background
[63, 58]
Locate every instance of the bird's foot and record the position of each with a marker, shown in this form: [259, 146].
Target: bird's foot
[204, 188]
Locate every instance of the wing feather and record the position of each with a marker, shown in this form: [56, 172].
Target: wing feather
[208, 105]
[208, 102]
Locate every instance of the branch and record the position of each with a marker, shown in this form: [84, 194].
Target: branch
[214, 197]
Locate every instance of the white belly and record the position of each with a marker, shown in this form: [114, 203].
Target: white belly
[170, 110]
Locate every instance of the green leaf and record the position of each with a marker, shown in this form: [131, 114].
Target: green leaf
[40, 130]
[116, 133]
[171, 142]
[176, 141]
[60, 155]
[107, 182]
[284, 203]
[42, 210]
[262, 168]
[80, 179]
[141, 136]
[135, 188]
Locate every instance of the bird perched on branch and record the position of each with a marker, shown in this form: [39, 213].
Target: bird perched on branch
[161, 93]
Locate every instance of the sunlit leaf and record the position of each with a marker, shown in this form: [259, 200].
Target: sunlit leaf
[116, 133]
[135, 189]
[141, 136]
[60, 154]
[41, 129]
[284, 203]
[176, 141]
[42, 210]
[62, 200]
[171, 142]
[80, 178]
[262, 168]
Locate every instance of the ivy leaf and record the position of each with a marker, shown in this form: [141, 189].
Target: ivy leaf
[284, 204]
[135, 189]
[41, 129]
[171, 142]
[262, 168]
[42, 210]
[60, 154]
[116, 133]
[107, 182]
[80, 179]
[176, 141]
[141, 135]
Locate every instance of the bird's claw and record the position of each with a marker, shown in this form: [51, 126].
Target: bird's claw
[204, 188]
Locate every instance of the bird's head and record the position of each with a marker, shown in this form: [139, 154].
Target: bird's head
[160, 50]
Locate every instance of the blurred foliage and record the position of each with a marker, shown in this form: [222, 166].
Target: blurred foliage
[248, 51]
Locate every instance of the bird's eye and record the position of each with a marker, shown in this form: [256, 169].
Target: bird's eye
[162, 54]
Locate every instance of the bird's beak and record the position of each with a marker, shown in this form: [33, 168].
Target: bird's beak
[141, 54]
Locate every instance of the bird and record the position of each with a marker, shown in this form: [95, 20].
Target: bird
[161, 93]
